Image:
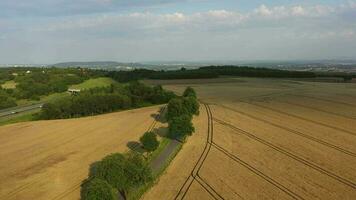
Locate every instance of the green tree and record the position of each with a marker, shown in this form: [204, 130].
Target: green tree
[180, 126]
[50, 111]
[191, 104]
[97, 189]
[176, 108]
[189, 92]
[112, 169]
[137, 170]
[6, 102]
[149, 141]
[123, 171]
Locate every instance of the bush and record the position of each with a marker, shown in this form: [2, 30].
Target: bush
[97, 189]
[180, 126]
[149, 141]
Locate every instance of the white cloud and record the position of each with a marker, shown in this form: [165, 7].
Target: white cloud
[258, 33]
[263, 10]
[298, 11]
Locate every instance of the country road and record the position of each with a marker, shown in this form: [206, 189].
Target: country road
[16, 110]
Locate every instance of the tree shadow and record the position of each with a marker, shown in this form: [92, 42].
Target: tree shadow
[161, 131]
[160, 115]
[136, 147]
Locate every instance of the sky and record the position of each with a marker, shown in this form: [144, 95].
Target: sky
[51, 31]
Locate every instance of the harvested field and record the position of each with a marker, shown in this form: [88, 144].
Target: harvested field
[49, 159]
[267, 139]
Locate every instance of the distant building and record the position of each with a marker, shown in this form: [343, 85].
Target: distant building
[74, 91]
[28, 72]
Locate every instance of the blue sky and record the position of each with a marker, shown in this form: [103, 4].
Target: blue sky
[48, 31]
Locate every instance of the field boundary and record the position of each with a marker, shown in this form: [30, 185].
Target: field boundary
[194, 174]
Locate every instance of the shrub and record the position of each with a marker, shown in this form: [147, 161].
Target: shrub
[97, 189]
[149, 141]
[181, 126]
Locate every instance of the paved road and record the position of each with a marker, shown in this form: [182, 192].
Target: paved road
[16, 110]
[157, 164]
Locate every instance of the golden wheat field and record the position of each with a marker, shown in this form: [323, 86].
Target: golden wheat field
[46, 160]
[266, 139]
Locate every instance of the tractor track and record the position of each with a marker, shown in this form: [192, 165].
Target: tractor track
[78, 185]
[257, 172]
[327, 100]
[194, 174]
[318, 109]
[291, 155]
[340, 149]
[304, 119]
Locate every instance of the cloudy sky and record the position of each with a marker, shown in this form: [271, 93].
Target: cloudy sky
[49, 31]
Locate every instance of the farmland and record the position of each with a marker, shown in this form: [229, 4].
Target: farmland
[266, 139]
[50, 159]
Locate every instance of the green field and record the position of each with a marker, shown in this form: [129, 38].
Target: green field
[23, 117]
[91, 83]
[9, 85]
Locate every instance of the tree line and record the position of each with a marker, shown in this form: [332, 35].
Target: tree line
[180, 111]
[207, 72]
[31, 83]
[106, 99]
[123, 173]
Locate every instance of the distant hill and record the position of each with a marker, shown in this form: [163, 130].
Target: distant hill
[100, 64]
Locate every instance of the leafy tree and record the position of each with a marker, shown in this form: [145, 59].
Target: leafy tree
[137, 170]
[97, 189]
[123, 171]
[180, 126]
[112, 169]
[191, 104]
[149, 141]
[6, 102]
[189, 92]
[176, 108]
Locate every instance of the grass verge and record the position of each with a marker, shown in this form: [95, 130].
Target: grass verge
[28, 116]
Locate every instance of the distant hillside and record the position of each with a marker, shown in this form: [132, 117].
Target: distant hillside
[100, 64]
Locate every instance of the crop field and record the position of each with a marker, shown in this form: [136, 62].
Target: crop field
[49, 159]
[266, 139]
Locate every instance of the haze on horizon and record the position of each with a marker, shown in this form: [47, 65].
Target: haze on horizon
[50, 31]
